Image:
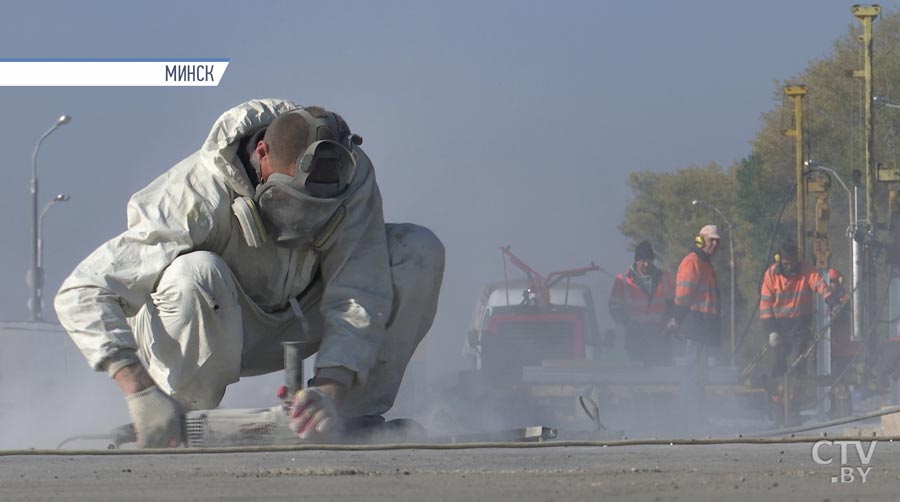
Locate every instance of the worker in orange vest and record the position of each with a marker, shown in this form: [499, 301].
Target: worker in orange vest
[698, 320]
[786, 308]
[641, 300]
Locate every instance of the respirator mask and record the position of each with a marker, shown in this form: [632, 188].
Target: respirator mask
[307, 208]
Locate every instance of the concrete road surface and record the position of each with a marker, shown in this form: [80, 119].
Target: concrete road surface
[655, 473]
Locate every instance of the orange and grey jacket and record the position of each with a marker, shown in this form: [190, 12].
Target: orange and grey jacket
[786, 301]
[697, 298]
[637, 308]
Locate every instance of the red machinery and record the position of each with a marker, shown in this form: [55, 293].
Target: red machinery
[552, 320]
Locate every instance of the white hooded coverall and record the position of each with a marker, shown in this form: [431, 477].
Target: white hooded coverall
[182, 288]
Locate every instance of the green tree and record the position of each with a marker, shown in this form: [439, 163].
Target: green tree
[834, 125]
[661, 211]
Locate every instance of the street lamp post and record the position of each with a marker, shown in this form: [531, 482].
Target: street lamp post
[59, 198]
[856, 257]
[700, 203]
[823, 359]
[35, 277]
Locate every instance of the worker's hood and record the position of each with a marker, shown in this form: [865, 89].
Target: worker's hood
[221, 145]
[224, 138]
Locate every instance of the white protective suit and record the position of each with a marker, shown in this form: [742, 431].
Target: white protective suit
[201, 308]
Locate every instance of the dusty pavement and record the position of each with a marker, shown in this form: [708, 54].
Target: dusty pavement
[654, 473]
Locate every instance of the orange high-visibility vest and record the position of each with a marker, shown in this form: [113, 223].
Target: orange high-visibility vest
[788, 297]
[695, 285]
[629, 302]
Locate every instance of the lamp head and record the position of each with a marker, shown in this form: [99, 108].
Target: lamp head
[61, 198]
[697, 202]
[63, 120]
[883, 101]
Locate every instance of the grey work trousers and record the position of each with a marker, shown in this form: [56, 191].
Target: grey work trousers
[693, 387]
[783, 355]
[194, 346]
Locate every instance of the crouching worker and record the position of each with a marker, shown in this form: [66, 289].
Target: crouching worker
[786, 308]
[271, 232]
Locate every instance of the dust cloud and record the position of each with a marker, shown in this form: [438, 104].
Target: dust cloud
[48, 393]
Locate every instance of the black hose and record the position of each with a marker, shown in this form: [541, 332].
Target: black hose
[889, 321]
[784, 204]
[830, 423]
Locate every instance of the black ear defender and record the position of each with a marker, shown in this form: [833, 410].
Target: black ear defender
[700, 241]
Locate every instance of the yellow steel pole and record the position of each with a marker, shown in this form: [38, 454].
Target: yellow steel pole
[866, 14]
[796, 93]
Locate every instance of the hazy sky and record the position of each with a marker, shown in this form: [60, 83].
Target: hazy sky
[492, 123]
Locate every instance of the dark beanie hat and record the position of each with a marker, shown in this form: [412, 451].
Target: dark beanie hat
[644, 251]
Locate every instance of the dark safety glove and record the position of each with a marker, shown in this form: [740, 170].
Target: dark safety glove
[157, 418]
[833, 300]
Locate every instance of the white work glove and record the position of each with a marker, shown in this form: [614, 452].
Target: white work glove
[157, 418]
[774, 339]
[314, 415]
